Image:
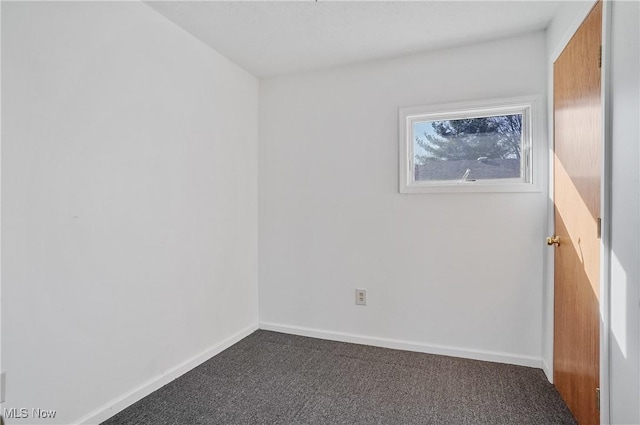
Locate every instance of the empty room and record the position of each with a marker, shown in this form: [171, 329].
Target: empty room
[320, 212]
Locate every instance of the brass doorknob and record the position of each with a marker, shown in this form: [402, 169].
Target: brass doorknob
[553, 240]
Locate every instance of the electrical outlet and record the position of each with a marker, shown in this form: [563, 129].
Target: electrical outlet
[361, 296]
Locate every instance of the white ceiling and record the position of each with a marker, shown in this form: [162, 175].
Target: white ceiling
[270, 38]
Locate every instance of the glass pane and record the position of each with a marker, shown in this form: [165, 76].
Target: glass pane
[468, 149]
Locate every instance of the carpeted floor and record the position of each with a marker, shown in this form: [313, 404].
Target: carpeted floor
[273, 378]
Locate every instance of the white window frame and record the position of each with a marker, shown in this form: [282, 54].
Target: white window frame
[527, 106]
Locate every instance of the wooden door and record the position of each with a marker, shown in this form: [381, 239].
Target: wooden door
[577, 153]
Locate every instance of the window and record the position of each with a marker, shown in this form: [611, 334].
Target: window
[471, 147]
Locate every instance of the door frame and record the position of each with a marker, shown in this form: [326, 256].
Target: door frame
[605, 202]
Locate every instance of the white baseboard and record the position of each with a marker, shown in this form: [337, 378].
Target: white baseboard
[120, 403]
[547, 370]
[467, 353]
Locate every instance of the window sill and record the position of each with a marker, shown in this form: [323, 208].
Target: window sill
[471, 187]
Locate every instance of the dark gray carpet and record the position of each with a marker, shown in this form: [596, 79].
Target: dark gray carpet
[273, 378]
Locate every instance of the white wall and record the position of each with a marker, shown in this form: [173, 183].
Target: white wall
[625, 209]
[457, 273]
[129, 213]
